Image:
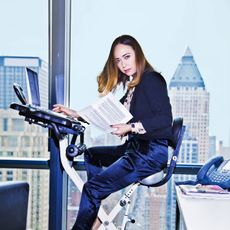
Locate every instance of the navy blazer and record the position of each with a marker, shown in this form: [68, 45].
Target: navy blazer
[151, 106]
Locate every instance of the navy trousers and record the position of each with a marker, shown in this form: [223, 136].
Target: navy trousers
[124, 164]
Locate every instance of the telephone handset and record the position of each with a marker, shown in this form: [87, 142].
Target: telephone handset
[215, 171]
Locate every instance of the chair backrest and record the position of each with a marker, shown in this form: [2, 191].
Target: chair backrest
[159, 179]
[176, 132]
[14, 205]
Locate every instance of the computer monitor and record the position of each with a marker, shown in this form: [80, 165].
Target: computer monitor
[33, 87]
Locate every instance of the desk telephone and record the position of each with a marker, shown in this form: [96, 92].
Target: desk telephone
[215, 171]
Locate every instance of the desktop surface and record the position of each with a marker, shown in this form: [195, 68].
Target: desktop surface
[203, 213]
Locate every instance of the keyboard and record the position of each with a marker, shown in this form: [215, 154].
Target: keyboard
[44, 115]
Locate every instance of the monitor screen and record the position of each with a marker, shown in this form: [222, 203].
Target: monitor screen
[33, 87]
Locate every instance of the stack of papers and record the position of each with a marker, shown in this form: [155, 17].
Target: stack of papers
[105, 112]
[199, 190]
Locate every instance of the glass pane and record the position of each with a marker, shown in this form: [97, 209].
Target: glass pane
[24, 43]
[189, 51]
[30, 49]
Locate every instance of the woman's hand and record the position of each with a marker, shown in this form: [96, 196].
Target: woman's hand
[58, 108]
[121, 129]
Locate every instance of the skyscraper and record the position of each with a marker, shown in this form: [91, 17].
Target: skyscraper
[19, 139]
[190, 100]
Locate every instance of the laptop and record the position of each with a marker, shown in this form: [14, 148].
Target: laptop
[33, 87]
[33, 100]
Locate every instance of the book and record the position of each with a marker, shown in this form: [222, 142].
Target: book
[105, 112]
[199, 190]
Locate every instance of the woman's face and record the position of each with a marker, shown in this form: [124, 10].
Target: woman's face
[125, 59]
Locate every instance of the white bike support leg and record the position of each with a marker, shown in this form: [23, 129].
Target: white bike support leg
[127, 200]
[72, 173]
[123, 203]
[106, 219]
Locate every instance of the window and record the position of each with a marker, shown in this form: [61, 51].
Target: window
[164, 43]
[12, 141]
[18, 124]
[10, 154]
[24, 43]
[5, 124]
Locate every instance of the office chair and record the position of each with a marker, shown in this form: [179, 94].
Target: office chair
[154, 180]
[14, 205]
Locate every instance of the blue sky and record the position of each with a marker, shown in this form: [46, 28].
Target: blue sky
[163, 28]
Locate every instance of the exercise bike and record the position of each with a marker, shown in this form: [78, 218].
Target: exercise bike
[62, 126]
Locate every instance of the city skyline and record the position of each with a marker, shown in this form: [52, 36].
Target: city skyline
[164, 29]
[19, 139]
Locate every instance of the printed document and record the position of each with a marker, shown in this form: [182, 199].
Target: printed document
[105, 112]
[205, 191]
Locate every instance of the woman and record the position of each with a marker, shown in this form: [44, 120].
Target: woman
[146, 150]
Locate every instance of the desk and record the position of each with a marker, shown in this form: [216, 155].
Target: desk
[201, 214]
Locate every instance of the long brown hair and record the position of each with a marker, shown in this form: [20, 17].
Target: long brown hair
[111, 76]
